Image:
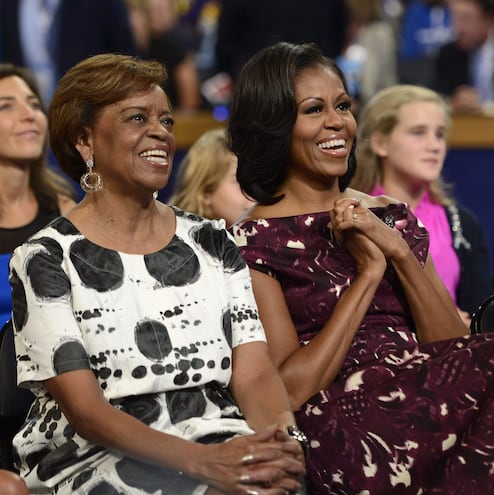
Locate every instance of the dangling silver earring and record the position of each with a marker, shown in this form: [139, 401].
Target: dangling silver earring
[91, 181]
[155, 195]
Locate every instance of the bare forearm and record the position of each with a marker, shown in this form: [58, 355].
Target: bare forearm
[315, 366]
[218, 465]
[104, 426]
[265, 404]
[434, 313]
[259, 390]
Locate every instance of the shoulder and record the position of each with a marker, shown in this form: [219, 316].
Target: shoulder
[187, 218]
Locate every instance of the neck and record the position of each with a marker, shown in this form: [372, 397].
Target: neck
[18, 203]
[303, 197]
[124, 224]
[14, 182]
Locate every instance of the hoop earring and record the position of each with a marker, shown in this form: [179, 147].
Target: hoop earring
[91, 181]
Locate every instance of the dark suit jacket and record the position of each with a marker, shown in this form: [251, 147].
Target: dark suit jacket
[83, 28]
[246, 26]
[475, 276]
[452, 69]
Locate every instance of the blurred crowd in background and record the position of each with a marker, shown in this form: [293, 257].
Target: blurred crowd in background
[447, 45]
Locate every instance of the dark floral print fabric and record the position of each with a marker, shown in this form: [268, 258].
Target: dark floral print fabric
[401, 418]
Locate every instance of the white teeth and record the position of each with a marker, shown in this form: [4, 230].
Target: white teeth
[156, 156]
[333, 143]
[158, 153]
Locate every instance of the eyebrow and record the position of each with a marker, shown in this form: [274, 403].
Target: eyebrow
[8, 97]
[344, 94]
[141, 108]
[319, 98]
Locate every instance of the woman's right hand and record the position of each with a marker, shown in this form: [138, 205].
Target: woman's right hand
[367, 255]
[252, 464]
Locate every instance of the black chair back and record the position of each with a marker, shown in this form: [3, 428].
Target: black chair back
[483, 318]
[14, 401]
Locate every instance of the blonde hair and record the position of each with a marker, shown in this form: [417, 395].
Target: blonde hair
[201, 171]
[380, 114]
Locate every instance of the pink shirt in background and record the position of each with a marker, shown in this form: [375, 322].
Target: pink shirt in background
[433, 217]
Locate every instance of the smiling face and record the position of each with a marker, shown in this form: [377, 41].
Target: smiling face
[414, 152]
[23, 125]
[132, 143]
[325, 127]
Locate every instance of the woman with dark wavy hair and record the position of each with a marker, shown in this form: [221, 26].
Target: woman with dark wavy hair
[393, 395]
[31, 193]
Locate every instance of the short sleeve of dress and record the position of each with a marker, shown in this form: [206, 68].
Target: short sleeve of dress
[245, 323]
[254, 245]
[47, 338]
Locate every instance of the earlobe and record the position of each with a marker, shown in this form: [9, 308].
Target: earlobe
[378, 143]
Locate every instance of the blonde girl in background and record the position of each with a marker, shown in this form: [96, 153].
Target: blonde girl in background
[207, 182]
[402, 146]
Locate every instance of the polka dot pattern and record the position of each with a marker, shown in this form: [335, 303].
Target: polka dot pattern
[156, 330]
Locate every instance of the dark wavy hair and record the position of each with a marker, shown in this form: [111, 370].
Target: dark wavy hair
[45, 182]
[263, 113]
[84, 91]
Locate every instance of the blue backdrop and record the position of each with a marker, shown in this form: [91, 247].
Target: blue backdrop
[472, 174]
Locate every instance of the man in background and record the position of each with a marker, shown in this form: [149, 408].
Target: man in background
[464, 68]
[50, 36]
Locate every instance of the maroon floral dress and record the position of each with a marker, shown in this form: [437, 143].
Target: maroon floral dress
[401, 417]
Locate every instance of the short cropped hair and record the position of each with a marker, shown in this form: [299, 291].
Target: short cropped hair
[85, 90]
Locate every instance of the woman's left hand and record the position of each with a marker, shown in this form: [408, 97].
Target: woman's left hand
[351, 215]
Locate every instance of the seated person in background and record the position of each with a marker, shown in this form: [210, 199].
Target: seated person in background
[50, 36]
[207, 181]
[31, 193]
[368, 59]
[393, 394]
[401, 149]
[423, 28]
[464, 68]
[135, 323]
[12, 484]
[168, 43]
[183, 82]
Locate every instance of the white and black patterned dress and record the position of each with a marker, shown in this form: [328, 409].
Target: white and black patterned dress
[157, 330]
